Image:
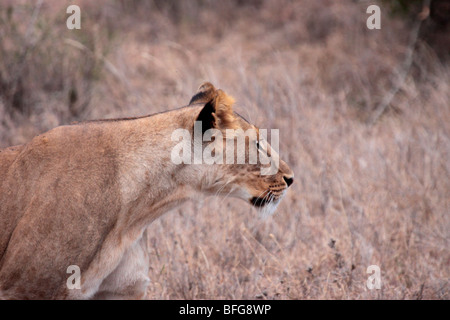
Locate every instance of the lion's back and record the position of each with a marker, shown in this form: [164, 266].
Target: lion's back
[7, 222]
[7, 157]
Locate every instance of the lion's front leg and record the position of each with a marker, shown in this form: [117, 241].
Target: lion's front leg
[130, 279]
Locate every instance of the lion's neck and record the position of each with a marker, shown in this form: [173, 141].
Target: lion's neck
[150, 183]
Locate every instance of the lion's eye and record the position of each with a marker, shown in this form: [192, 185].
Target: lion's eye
[258, 146]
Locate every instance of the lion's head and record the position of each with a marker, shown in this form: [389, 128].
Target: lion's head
[242, 163]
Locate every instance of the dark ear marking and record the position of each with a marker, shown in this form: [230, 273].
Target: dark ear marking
[217, 109]
[206, 117]
[205, 93]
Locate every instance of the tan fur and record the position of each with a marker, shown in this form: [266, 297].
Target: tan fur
[84, 195]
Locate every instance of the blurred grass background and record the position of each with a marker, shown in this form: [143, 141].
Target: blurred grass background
[365, 193]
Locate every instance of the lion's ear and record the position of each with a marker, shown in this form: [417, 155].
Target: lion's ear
[223, 111]
[218, 109]
[205, 93]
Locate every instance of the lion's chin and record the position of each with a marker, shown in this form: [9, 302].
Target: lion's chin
[265, 208]
[269, 209]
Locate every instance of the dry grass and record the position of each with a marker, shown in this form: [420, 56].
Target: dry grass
[363, 194]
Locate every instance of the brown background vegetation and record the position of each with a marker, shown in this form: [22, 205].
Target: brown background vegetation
[365, 194]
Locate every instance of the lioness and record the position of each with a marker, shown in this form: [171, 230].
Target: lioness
[84, 194]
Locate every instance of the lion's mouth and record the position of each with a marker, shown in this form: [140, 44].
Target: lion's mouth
[260, 202]
[267, 198]
[266, 206]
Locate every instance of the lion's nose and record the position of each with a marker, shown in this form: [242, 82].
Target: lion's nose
[289, 180]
